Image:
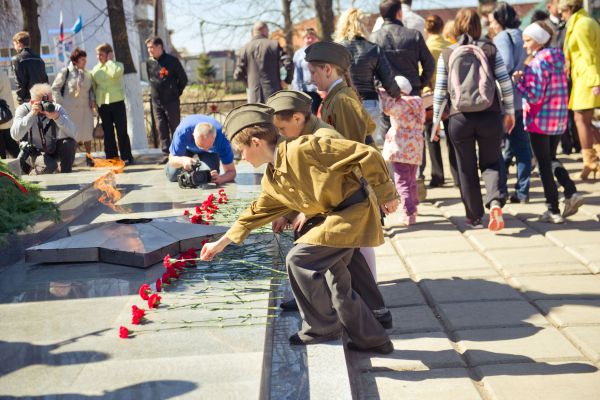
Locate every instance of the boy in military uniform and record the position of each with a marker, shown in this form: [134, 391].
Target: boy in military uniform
[329, 65]
[316, 176]
[292, 117]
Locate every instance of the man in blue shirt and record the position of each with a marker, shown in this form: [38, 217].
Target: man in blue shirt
[201, 136]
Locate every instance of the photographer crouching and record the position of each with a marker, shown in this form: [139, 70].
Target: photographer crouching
[45, 134]
[197, 150]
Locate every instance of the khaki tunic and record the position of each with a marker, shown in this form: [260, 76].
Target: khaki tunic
[313, 175]
[343, 110]
[315, 126]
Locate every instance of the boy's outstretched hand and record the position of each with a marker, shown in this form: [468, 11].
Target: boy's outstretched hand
[210, 250]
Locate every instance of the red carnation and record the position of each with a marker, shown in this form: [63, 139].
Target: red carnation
[186, 212]
[167, 262]
[158, 285]
[137, 315]
[166, 279]
[145, 291]
[196, 219]
[210, 198]
[198, 210]
[123, 332]
[154, 301]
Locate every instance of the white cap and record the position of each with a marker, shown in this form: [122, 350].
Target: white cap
[537, 33]
[403, 84]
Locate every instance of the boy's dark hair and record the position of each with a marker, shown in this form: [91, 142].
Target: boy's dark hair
[267, 132]
[389, 8]
[539, 15]
[22, 37]
[77, 54]
[155, 40]
[506, 16]
[286, 115]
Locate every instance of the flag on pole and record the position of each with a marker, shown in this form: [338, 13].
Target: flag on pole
[78, 25]
[61, 37]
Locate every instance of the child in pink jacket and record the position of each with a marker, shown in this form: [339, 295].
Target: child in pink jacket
[403, 145]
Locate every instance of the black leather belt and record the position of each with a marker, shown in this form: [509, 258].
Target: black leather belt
[369, 139]
[357, 197]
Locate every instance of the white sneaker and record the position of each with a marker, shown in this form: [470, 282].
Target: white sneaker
[572, 205]
[551, 218]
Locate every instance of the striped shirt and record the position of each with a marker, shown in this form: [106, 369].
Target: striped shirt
[441, 86]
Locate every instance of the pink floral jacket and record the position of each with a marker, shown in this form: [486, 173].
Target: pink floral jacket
[404, 140]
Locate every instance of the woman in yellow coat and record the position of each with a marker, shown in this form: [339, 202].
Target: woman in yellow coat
[316, 176]
[582, 52]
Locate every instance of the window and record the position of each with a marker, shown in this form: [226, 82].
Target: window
[45, 49]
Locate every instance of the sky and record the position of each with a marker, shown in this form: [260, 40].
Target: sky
[227, 23]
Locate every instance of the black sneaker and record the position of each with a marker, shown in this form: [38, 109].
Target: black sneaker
[295, 339]
[474, 223]
[129, 162]
[289, 305]
[516, 200]
[386, 348]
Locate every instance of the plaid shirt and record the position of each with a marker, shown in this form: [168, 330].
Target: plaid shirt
[545, 93]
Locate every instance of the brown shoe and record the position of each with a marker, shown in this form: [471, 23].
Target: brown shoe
[296, 340]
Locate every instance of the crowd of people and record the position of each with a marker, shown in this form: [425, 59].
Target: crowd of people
[50, 121]
[499, 95]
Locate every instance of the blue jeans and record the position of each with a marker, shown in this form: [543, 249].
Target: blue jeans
[372, 107]
[518, 146]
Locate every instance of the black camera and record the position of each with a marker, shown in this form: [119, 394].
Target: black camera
[47, 105]
[197, 176]
[27, 150]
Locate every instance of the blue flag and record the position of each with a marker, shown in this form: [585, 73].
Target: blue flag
[78, 25]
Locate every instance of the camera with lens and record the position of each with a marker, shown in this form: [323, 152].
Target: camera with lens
[198, 175]
[47, 105]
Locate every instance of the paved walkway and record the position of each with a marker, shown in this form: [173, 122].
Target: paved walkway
[478, 315]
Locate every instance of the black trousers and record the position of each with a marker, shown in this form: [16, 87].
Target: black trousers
[167, 117]
[569, 140]
[48, 164]
[544, 149]
[435, 155]
[7, 144]
[113, 117]
[486, 129]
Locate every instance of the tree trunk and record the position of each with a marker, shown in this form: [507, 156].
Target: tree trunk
[324, 10]
[134, 105]
[288, 28]
[118, 30]
[30, 23]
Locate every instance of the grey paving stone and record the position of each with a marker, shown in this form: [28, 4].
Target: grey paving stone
[390, 268]
[327, 372]
[464, 265]
[415, 351]
[536, 261]
[543, 381]
[462, 290]
[401, 293]
[490, 314]
[587, 339]
[559, 287]
[588, 254]
[439, 384]
[449, 244]
[586, 234]
[571, 312]
[486, 240]
[515, 345]
[429, 230]
[386, 249]
[414, 319]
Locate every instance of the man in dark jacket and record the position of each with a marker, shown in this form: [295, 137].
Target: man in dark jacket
[28, 67]
[167, 81]
[258, 65]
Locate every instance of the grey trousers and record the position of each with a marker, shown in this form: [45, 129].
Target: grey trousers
[322, 287]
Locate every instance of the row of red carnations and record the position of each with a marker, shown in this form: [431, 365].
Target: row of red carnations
[173, 266]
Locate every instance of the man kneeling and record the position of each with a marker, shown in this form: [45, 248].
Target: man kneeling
[45, 132]
[198, 143]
